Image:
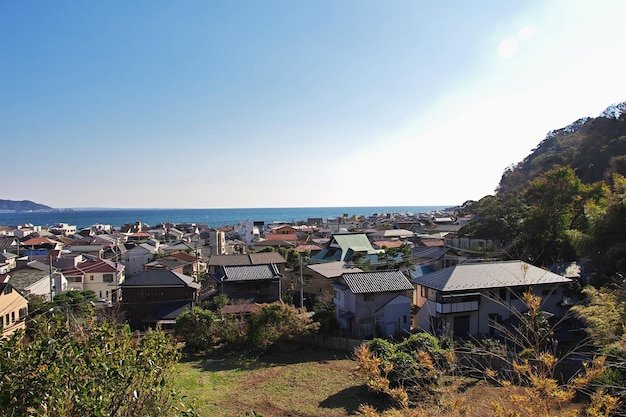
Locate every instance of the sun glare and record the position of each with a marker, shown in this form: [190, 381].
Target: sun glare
[507, 48]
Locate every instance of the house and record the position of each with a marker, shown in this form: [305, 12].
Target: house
[136, 257]
[42, 243]
[343, 246]
[13, 309]
[469, 299]
[9, 244]
[258, 283]
[101, 276]
[180, 262]
[318, 279]
[37, 278]
[257, 258]
[373, 304]
[157, 297]
[8, 261]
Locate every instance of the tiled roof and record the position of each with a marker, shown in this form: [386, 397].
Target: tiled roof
[311, 248]
[377, 281]
[39, 241]
[92, 265]
[281, 236]
[388, 243]
[183, 256]
[250, 273]
[488, 275]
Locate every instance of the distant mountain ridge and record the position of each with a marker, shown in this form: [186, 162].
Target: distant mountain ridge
[593, 147]
[24, 205]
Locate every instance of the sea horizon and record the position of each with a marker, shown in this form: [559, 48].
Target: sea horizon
[214, 217]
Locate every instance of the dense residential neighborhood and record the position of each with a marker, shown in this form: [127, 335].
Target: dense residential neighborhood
[154, 273]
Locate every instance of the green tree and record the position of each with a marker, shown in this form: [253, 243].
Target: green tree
[74, 366]
[498, 217]
[557, 202]
[276, 323]
[200, 329]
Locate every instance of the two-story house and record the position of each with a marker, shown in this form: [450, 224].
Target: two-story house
[136, 257]
[157, 297]
[259, 283]
[102, 276]
[475, 298]
[373, 304]
[13, 310]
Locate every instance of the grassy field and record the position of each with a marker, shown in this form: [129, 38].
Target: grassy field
[300, 381]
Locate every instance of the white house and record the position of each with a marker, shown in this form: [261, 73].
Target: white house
[373, 304]
[468, 299]
[135, 258]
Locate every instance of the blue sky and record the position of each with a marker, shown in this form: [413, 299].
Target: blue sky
[207, 104]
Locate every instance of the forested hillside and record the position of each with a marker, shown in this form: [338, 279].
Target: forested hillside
[593, 147]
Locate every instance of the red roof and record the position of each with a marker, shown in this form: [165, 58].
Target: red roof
[90, 266]
[286, 236]
[39, 241]
[311, 248]
[388, 243]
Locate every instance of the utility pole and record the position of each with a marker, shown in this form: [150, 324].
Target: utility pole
[301, 285]
[51, 277]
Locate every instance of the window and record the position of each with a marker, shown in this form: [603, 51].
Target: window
[90, 277]
[337, 295]
[12, 316]
[107, 277]
[23, 313]
[494, 323]
[423, 291]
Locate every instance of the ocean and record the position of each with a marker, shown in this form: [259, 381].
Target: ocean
[83, 218]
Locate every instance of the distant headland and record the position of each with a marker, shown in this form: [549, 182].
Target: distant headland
[22, 206]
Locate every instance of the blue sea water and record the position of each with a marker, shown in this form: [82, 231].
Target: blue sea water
[211, 217]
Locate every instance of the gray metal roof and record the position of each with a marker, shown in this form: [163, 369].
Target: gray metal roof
[488, 275]
[160, 278]
[376, 281]
[247, 259]
[250, 273]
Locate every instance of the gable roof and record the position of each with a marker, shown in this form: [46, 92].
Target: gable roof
[342, 245]
[333, 269]
[376, 281]
[8, 242]
[160, 278]
[94, 265]
[249, 273]
[247, 259]
[489, 275]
